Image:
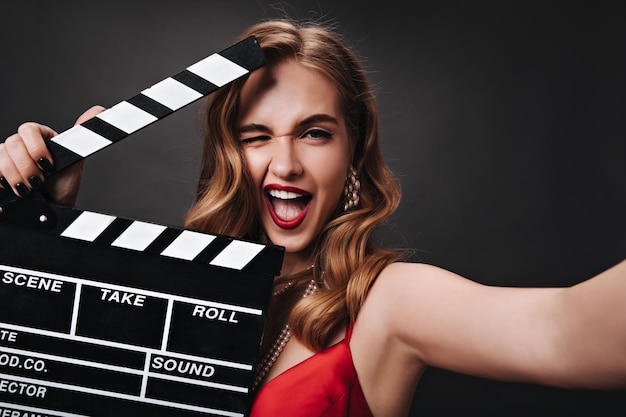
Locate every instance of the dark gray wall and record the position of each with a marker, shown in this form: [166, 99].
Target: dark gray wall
[505, 123]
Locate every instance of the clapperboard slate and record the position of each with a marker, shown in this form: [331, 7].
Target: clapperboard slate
[107, 316]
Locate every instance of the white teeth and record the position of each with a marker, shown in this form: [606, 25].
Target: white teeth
[283, 195]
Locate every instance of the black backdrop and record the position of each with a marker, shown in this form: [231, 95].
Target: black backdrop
[505, 124]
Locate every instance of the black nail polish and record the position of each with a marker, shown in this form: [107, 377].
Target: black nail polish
[22, 190]
[35, 182]
[5, 183]
[45, 165]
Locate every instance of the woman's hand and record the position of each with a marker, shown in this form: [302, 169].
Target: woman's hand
[24, 158]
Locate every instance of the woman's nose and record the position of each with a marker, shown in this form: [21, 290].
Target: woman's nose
[285, 159]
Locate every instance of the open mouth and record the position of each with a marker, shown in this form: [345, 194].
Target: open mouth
[288, 208]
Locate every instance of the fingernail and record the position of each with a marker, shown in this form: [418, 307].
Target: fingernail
[5, 183]
[35, 182]
[22, 190]
[45, 165]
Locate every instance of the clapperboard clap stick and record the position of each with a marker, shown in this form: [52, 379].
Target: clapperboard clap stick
[108, 316]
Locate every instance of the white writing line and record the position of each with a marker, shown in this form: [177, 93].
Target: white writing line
[132, 348]
[122, 396]
[79, 288]
[38, 410]
[166, 327]
[72, 361]
[198, 382]
[248, 310]
[146, 371]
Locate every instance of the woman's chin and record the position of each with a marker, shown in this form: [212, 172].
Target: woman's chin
[294, 245]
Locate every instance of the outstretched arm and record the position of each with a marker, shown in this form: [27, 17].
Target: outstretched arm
[566, 337]
[593, 330]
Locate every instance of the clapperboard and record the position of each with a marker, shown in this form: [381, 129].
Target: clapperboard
[108, 316]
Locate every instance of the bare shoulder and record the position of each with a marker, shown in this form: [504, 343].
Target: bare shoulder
[409, 309]
[397, 272]
[404, 280]
[399, 297]
[381, 354]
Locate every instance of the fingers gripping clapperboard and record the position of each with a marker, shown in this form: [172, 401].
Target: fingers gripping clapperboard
[108, 316]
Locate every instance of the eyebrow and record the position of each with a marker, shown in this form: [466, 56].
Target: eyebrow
[316, 118]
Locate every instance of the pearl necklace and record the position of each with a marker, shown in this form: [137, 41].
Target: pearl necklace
[272, 355]
[284, 289]
[289, 284]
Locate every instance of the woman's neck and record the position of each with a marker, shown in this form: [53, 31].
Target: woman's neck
[295, 262]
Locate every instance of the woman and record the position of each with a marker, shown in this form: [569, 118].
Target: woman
[292, 157]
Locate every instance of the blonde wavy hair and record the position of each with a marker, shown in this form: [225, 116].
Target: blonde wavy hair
[346, 259]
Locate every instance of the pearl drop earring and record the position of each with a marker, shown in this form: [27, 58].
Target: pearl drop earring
[351, 190]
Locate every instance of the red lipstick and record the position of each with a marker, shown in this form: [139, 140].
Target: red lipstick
[288, 206]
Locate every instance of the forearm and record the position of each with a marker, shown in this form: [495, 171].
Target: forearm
[593, 334]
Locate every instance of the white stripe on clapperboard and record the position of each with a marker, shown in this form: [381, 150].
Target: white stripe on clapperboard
[139, 235]
[173, 94]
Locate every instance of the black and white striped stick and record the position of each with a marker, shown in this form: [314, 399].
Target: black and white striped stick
[139, 236]
[152, 104]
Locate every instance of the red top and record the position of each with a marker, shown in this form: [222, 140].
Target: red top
[325, 385]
